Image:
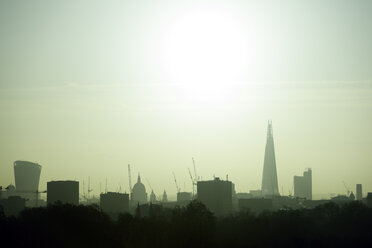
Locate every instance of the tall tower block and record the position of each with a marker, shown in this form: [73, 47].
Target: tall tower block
[269, 185]
[359, 194]
[26, 176]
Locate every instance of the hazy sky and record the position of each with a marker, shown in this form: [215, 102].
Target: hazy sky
[87, 87]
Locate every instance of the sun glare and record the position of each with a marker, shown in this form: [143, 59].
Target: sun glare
[204, 46]
[205, 52]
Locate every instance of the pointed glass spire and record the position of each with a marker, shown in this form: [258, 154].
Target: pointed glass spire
[269, 176]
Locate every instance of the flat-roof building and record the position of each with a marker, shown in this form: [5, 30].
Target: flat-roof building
[184, 196]
[369, 199]
[112, 202]
[303, 185]
[13, 205]
[63, 192]
[359, 192]
[216, 195]
[255, 205]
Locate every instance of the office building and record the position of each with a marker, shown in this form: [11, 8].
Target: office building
[255, 205]
[66, 192]
[216, 195]
[359, 192]
[111, 202]
[303, 185]
[369, 199]
[26, 177]
[13, 205]
[184, 197]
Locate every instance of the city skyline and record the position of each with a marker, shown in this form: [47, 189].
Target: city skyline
[86, 89]
[268, 188]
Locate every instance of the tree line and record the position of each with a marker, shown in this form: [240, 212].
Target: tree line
[61, 225]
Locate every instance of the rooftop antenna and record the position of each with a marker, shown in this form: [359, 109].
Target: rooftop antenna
[130, 179]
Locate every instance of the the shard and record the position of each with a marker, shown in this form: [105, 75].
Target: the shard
[269, 186]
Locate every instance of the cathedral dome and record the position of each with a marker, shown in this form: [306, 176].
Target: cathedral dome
[139, 187]
[139, 194]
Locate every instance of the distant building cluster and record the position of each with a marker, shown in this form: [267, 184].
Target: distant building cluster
[217, 195]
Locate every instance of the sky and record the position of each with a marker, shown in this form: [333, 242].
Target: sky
[88, 87]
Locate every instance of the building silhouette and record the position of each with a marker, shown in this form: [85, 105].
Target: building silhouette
[152, 197]
[369, 199]
[184, 197]
[303, 185]
[165, 197]
[359, 192]
[112, 202]
[10, 190]
[216, 195]
[256, 205]
[269, 185]
[66, 192]
[26, 177]
[139, 194]
[13, 205]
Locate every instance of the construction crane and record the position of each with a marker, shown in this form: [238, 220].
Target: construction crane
[347, 188]
[193, 182]
[195, 175]
[130, 179]
[175, 181]
[148, 182]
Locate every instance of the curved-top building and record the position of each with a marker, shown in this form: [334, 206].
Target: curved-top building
[26, 176]
[139, 194]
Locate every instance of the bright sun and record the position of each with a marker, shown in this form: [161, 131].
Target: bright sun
[205, 46]
[205, 52]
